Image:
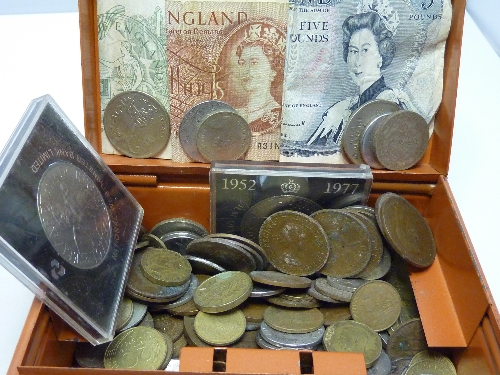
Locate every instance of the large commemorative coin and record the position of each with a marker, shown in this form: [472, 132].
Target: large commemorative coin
[405, 229]
[136, 124]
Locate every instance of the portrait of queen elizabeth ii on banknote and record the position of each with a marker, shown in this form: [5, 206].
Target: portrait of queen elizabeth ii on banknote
[342, 54]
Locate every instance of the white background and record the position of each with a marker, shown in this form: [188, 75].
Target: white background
[40, 55]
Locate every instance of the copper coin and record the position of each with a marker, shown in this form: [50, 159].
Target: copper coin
[280, 279]
[223, 135]
[405, 229]
[401, 140]
[293, 320]
[294, 243]
[358, 122]
[350, 244]
[407, 340]
[136, 124]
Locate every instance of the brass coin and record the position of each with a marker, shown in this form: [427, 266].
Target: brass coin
[170, 350]
[293, 320]
[138, 313]
[376, 304]
[298, 300]
[225, 253]
[349, 240]
[223, 135]
[294, 243]
[359, 120]
[187, 309]
[125, 312]
[401, 140]
[254, 311]
[190, 334]
[256, 215]
[136, 124]
[280, 279]
[405, 229]
[407, 340]
[220, 329]
[431, 365]
[138, 348]
[223, 292]
[165, 267]
[334, 314]
[169, 324]
[351, 336]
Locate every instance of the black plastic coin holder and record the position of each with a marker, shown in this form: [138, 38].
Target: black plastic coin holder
[68, 226]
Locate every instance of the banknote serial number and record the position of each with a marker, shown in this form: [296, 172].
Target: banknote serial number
[238, 184]
[341, 188]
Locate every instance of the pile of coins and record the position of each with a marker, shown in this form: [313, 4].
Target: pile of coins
[335, 280]
[213, 130]
[379, 133]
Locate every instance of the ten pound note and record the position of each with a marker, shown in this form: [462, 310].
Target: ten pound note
[343, 53]
[231, 51]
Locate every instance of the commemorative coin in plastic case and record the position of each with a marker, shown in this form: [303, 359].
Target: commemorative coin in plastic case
[68, 226]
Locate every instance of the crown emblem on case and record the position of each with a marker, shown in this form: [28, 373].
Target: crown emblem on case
[290, 187]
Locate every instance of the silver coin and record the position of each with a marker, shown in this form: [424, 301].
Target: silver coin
[259, 212]
[349, 285]
[185, 298]
[225, 253]
[308, 340]
[313, 292]
[178, 224]
[359, 120]
[252, 326]
[178, 241]
[136, 124]
[203, 266]
[191, 121]
[382, 268]
[223, 135]
[261, 290]
[367, 150]
[382, 365]
[257, 250]
[138, 313]
[264, 344]
[325, 288]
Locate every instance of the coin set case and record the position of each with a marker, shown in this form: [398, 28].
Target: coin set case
[462, 321]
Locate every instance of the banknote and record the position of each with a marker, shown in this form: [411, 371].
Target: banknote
[232, 51]
[343, 53]
[132, 54]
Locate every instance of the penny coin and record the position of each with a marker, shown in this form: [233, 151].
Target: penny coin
[255, 249]
[293, 320]
[359, 120]
[376, 304]
[405, 229]
[190, 333]
[294, 299]
[349, 240]
[138, 348]
[178, 224]
[248, 340]
[259, 212]
[220, 329]
[223, 135]
[228, 254]
[191, 122]
[125, 312]
[333, 314]
[280, 279]
[351, 336]
[294, 243]
[90, 356]
[223, 291]
[136, 124]
[324, 287]
[254, 311]
[401, 140]
[314, 292]
[307, 340]
[165, 267]
[169, 324]
[203, 266]
[366, 145]
[407, 340]
[382, 267]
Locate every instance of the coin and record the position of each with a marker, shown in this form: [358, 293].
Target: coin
[178, 241]
[228, 254]
[178, 224]
[223, 291]
[382, 365]
[186, 297]
[405, 229]
[186, 309]
[138, 348]
[138, 313]
[407, 340]
[90, 356]
[358, 121]
[180, 343]
[259, 212]
[294, 243]
[280, 279]
[376, 304]
[223, 135]
[349, 240]
[254, 310]
[136, 124]
[382, 267]
[254, 248]
[306, 340]
[432, 366]
[334, 314]
[248, 340]
[191, 122]
[293, 320]
[314, 292]
[294, 299]
[147, 321]
[401, 140]
[170, 350]
[190, 333]
[366, 146]
[153, 241]
[203, 266]
[263, 290]
[125, 312]
[165, 267]
[220, 329]
[351, 336]
[324, 287]
[169, 324]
